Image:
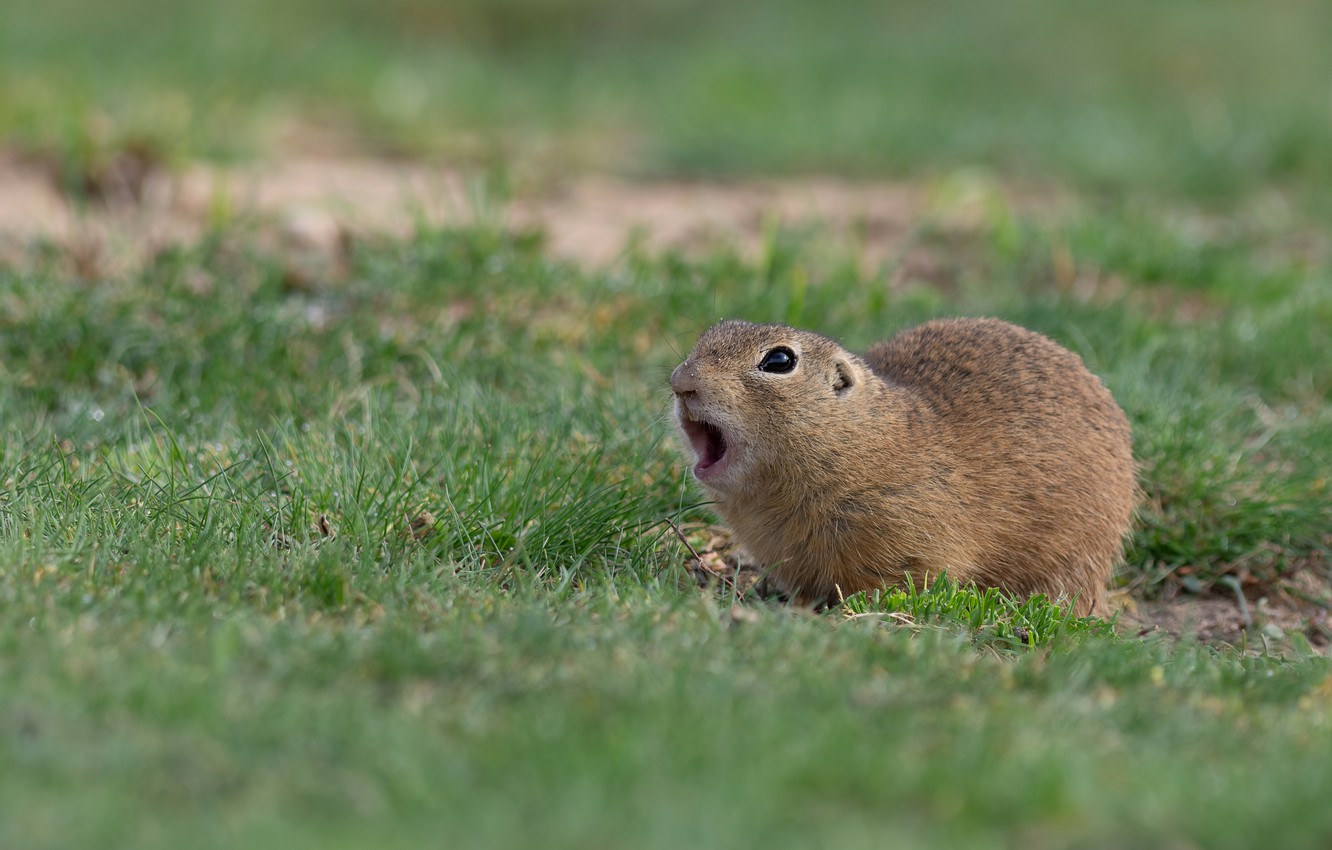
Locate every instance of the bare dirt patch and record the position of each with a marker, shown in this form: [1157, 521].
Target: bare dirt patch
[320, 200]
[1262, 621]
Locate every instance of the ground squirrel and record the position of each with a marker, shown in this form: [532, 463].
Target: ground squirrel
[967, 446]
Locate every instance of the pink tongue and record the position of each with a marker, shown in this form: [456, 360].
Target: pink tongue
[711, 447]
[707, 442]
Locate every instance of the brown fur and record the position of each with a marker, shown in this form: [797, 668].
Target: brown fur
[967, 446]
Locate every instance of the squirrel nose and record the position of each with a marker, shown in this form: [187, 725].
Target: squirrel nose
[684, 380]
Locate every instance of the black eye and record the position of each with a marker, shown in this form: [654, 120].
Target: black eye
[779, 360]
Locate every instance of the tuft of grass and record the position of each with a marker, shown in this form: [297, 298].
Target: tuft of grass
[993, 618]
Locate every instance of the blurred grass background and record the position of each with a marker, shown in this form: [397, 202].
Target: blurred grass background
[1210, 100]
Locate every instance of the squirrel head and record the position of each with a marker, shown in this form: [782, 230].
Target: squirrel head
[751, 397]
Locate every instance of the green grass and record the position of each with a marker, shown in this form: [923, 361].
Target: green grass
[382, 554]
[474, 356]
[1204, 100]
[507, 720]
[388, 558]
[994, 618]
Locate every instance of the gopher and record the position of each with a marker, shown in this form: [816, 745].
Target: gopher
[970, 447]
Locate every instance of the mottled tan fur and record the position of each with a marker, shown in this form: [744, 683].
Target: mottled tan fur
[967, 446]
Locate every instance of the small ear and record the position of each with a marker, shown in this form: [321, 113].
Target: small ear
[845, 376]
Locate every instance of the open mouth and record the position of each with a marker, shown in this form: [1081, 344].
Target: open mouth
[709, 444]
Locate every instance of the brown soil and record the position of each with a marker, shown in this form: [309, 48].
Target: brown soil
[132, 207]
